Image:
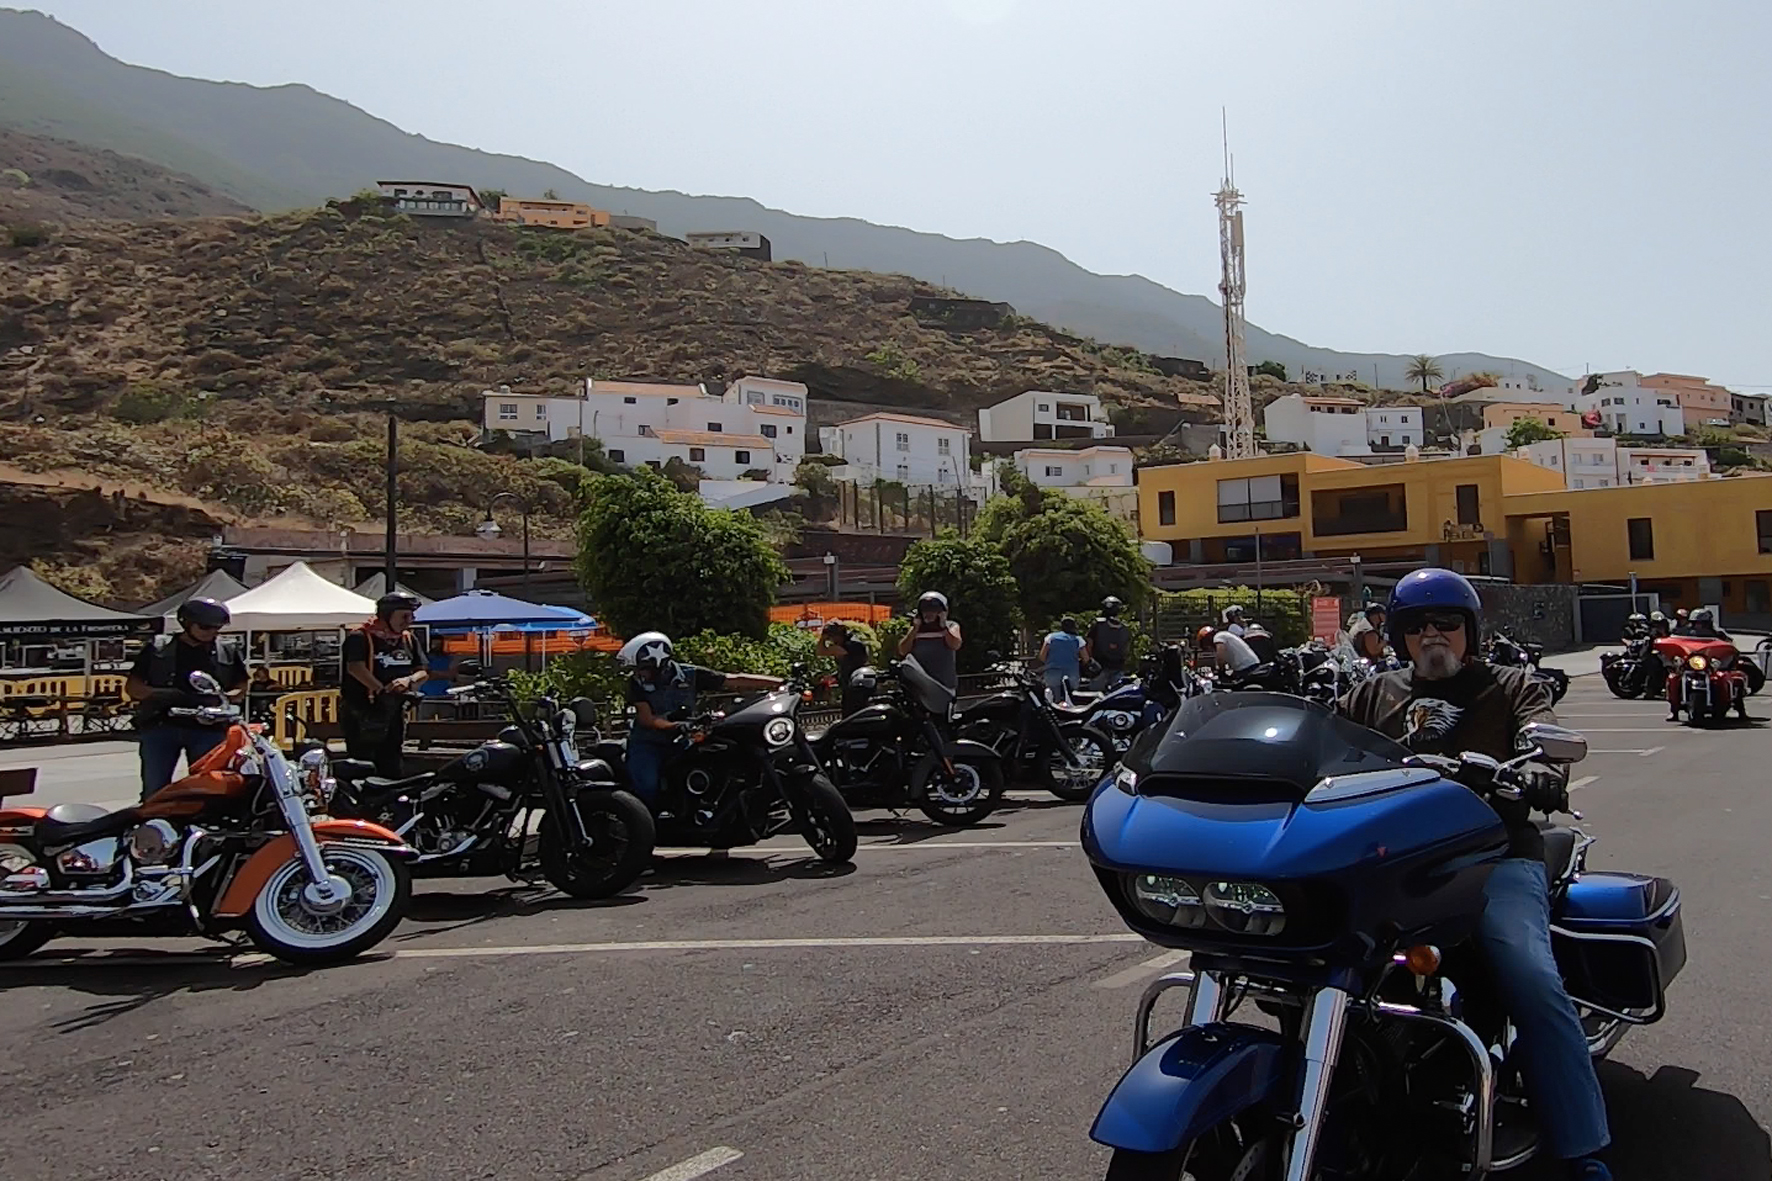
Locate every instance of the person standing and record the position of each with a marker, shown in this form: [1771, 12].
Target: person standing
[1109, 644]
[383, 662]
[161, 679]
[934, 640]
[1061, 652]
[1367, 634]
[837, 642]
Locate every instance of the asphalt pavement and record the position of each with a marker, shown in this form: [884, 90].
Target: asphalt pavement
[956, 1005]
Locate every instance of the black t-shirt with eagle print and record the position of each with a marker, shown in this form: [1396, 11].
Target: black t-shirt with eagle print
[1480, 709]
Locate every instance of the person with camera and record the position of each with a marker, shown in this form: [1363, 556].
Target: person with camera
[161, 678]
[383, 663]
[934, 640]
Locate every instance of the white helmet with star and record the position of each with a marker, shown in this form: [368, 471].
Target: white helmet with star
[646, 651]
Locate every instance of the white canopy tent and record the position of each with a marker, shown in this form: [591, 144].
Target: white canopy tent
[298, 600]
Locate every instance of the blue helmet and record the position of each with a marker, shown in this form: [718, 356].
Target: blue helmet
[1432, 588]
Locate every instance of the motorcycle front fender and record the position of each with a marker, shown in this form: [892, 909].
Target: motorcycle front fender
[270, 857]
[971, 750]
[1189, 1083]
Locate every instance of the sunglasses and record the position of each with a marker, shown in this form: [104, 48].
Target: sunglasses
[1444, 624]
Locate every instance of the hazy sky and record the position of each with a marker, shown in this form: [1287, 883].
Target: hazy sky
[1577, 183]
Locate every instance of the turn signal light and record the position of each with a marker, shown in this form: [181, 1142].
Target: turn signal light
[1423, 959]
[806, 695]
[698, 737]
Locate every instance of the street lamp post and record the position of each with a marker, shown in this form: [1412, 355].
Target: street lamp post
[489, 529]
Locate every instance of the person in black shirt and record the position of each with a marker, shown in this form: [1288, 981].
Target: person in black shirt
[1108, 643]
[161, 678]
[839, 643]
[383, 662]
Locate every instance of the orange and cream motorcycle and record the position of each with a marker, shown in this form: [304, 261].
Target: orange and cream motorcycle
[241, 843]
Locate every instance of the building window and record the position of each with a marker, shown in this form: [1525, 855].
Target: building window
[541, 411]
[743, 457]
[941, 475]
[697, 454]
[631, 401]
[1763, 527]
[668, 401]
[1580, 483]
[618, 456]
[1054, 471]
[715, 428]
[1258, 498]
[1466, 496]
[1165, 508]
[507, 411]
[1384, 440]
[790, 430]
[944, 446]
[1642, 539]
[1113, 469]
[904, 441]
[769, 430]
[1045, 407]
[904, 473]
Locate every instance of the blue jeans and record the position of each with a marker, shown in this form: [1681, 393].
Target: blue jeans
[646, 763]
[1060, 684]
[161, 747]
[1514, 934]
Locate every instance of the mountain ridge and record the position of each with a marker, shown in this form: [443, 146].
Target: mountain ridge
[292, 145]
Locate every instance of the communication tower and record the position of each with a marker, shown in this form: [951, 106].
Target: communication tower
[1239, 410]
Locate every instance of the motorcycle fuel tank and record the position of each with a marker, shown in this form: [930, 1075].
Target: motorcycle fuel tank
[493, 761]
[879, 721]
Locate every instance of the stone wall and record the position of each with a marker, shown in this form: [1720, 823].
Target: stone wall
[1542, 614]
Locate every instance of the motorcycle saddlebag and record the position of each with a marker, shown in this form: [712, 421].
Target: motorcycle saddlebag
[1619, 940]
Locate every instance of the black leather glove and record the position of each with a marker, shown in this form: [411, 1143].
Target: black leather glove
[1544, 789]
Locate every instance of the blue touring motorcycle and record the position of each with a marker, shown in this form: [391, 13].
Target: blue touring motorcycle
[1320, 872]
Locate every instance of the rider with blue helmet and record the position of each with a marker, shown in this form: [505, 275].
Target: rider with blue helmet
[1447, 699]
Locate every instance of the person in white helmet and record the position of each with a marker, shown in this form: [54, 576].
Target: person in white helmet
[1233, 619]
[662, 692]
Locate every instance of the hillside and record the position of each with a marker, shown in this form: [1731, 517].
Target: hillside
[44, 179]
[281, 147]
[240, 362]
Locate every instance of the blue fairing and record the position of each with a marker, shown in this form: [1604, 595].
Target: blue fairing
[1189, 1083]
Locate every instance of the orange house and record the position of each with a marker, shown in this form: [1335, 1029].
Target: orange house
[558, 215]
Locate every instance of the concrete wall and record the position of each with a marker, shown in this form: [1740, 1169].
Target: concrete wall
[1543, 614]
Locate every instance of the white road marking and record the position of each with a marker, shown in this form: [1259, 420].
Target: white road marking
[697, 1166]
[1663, 730]
[1646, 753]
[1583, 781]
[1138, 972]
[444, 953]
[874, 847]
[1596, 750]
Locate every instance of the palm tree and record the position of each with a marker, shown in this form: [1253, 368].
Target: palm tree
[1424, 369]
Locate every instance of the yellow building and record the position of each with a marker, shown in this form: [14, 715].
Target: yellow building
[1489, 514]
[559, 215]
[1552, 415]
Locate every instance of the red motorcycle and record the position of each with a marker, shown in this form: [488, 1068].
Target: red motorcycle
[1707, 677]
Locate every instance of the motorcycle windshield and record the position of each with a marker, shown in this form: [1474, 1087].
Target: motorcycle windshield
[930, 693]
[1270, 738]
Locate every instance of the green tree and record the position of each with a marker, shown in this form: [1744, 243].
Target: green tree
[1530, 430]
[1424, 369]
[651, 557]
[981, 593]
[489, 198]
[1271, 369]
[148, 402]
[549, 195]
[1069, 557]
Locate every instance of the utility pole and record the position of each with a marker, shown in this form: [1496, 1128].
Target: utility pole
[1239, 410]
[391, 562]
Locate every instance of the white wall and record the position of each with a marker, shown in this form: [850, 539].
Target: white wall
[872, 446]
[1014, 420]
[1070, 469]
[1291, 420]
[1400, 425]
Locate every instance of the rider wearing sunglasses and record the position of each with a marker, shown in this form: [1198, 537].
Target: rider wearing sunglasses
[1448, 700]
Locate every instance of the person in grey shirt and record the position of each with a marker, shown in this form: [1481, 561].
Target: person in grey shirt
[933, 640]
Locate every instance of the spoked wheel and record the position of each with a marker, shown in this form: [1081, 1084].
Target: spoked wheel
[1223, 1154]
[962, 798]
[20, 937]
[1095, 756]
[1619, 684]
[289, 922]
[826, 822]
[621, 833]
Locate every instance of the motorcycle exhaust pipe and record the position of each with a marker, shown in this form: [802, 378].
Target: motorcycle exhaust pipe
[9, 899]
[60, 913]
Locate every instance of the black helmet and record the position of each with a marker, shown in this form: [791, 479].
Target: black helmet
[202, 613]
[395, 601]
[1111, 606]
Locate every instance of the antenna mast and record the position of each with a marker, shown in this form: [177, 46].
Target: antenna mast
[1239, 410]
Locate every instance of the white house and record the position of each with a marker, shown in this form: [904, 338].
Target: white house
[1527, 389]
[1626, 407]
[1602, 463]
[745, 430]
[1103, 474]
[1043, 414]
[1341, 426]
[430, 198]
[745, 242]
[1751, 408]
[902, 447]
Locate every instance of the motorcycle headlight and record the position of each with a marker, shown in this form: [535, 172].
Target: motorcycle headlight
[1166, 900]
[1697, 663]
[778, 731]
[1247, 908]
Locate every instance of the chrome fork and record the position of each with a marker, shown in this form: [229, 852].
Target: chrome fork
[1325, 1022]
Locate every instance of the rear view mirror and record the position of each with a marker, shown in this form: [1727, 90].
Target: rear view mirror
[470, 669]
[1558, 743]
[202, 682]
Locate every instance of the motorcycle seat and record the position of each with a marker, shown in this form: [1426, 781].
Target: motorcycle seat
[380, 784]
[352, 770]
[1074, 709]
[1559, 850]
[71, 824]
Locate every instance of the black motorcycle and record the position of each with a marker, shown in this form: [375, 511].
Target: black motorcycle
[1505, 651]
[474, 815]
[897, 751]
[746, 775]
[1048, 744]
[1635, 672]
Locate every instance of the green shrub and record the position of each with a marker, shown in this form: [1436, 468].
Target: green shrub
[148, 402]
[28, 234]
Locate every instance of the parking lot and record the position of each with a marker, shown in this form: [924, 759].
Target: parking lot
[955, 1005]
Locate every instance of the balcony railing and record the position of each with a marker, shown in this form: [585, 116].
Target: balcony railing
[1360, 523]
[1258, 510]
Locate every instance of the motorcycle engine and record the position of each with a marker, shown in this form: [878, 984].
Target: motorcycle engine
[1117, 720]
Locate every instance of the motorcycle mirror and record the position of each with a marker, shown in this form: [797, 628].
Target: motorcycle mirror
[470, 668]
[202, 682]
[1556, 744]
[584, 711]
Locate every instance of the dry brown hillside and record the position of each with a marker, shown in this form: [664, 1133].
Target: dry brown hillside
[238, 360]
[44, 179]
